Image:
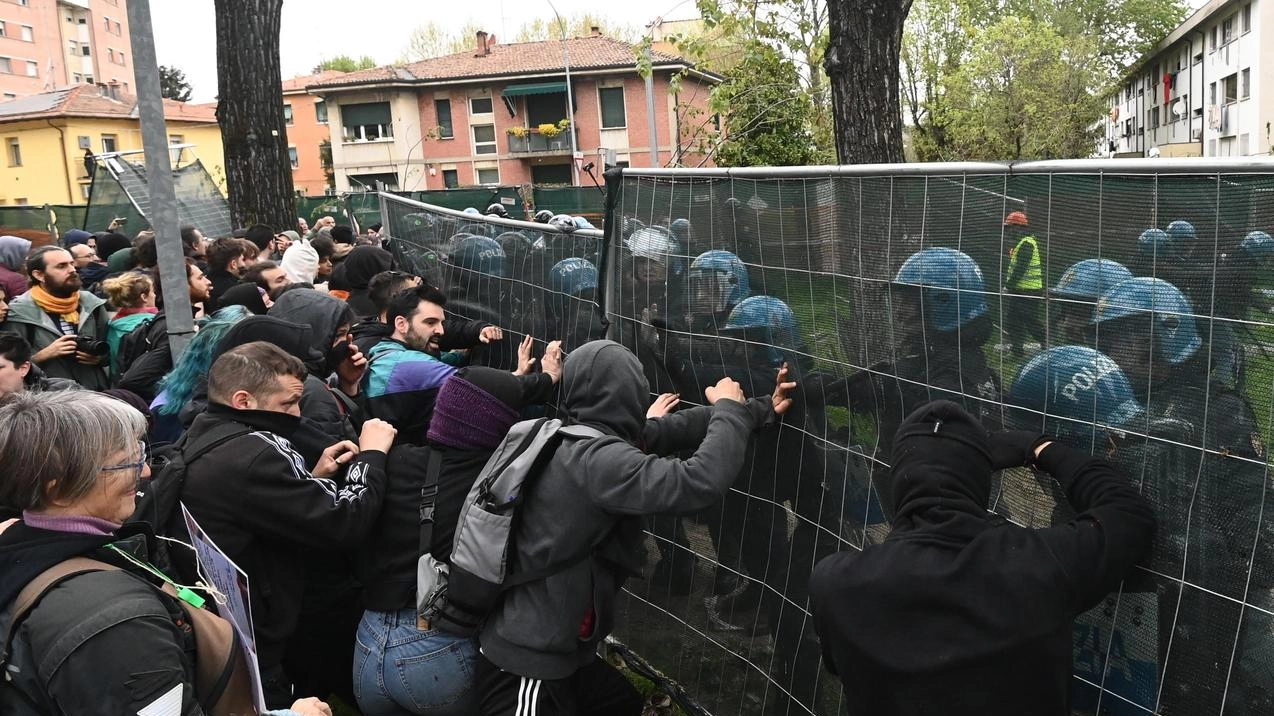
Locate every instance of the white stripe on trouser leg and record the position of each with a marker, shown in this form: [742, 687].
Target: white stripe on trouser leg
[535, 697]
[521, 698]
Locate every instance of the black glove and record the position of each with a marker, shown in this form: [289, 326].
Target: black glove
[1014, 448]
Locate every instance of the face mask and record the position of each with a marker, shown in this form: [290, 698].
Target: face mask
[335, 355]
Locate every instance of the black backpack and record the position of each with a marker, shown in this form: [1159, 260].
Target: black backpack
[159, 497]
[133, 345]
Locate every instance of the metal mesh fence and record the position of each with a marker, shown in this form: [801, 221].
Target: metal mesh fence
[120, 189]
[1122, 306]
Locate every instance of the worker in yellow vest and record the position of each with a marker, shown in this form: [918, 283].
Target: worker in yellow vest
[1025, 281]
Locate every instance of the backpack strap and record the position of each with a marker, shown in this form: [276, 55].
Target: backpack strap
[220, 434]
[429, 500]
[222, 683]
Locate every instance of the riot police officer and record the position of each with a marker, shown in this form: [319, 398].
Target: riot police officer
[1075, 293]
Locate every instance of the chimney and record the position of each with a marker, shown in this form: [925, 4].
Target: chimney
[483, 48]
[595, 31]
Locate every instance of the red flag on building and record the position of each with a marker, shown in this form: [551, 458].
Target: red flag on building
[1167, 87]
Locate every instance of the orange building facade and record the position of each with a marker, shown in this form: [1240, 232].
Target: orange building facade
[308, 134]
[52, 44]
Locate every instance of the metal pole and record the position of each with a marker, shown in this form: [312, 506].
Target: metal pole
[163, 196]
[570, 94]
[650, 106]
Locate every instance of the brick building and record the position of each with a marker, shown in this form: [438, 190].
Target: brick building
[498, 114]
[308, 133]
[52, 44]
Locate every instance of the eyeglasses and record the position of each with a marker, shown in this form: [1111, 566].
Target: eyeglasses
[136, 466]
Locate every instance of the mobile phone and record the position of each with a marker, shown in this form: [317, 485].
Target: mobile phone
[121, 220]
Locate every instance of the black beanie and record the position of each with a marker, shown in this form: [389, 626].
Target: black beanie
[946, 420]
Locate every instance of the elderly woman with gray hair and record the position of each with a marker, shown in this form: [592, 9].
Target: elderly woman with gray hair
[103, 637]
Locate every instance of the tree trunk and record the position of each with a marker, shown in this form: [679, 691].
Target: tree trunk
[865, 40]
[250, 112]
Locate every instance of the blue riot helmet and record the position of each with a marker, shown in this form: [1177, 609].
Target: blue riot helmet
[479, 254]
[681, 230]
[543, 216]
[1181, 233]
[718, 282]
[951, 283]
[1170, 313]
[630, 225]
[471, 210]
[765, 325]
[508, 239]
[1090, 279]
[497, 209]
[572, 277]
[563, 222]
[1063, 391]
[1155, 243]
[1258, 246]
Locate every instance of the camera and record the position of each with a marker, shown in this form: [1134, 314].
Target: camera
[91, 346]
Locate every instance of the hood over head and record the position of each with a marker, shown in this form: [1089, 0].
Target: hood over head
[13, 251]
[603, 386]
[941, 473]
[75, 236]
[323, 313]
[300, 262]
[247, 295]
[291, 337]
[361, 265]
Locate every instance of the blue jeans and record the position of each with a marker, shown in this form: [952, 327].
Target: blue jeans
[399, 669]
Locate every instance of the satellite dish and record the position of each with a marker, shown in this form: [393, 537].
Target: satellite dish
[1179, 108]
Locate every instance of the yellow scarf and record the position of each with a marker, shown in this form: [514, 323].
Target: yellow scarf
[68, 308]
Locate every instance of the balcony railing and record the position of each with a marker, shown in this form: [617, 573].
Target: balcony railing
[536, 143]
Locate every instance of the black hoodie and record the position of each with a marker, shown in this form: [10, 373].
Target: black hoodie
[356, 271]
[959, 612]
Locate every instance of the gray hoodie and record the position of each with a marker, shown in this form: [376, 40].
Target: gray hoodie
[585, 510]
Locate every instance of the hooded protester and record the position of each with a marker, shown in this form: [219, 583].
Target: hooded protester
[189, 373]
[75, 237]
[474, 411]
[330, 320]
[110, 243]
[956, 597]
[585, 513]
[249, 295]
[356, 271]
[13, 253]
[300, 262]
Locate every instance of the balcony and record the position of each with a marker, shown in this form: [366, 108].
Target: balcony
[536, 144]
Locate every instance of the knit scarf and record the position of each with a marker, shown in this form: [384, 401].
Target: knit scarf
[68, 308]
[126, 311]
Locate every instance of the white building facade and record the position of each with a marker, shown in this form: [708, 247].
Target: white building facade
[1207, 90]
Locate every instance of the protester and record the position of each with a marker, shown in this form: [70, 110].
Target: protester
[225, 267]
[18, 373]
[108, 244]
[300, 262]
[106, 639]
[190, 373]
[144, 361]
[4, 305]
[326, 250]
[356, 271]
[248, 295]
[65, 326]
[193, 245]
[262, 237]
[133, 295]
[543, 637]
[91, 270]
[380, 290]
[956, 598]
[256, 499]
[13, 253]
[267, 275]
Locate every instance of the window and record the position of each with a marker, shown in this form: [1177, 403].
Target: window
[450, 179]
[612, 102]
[78, 78]
[1212, 44]
[488, 175]
[1152, 117]
[108, 143]
[320, 111]
[1245, 84]
[1247, 18]
[28, 33]
[479, 105]
[1231, 88]
[6, 66]
[121, 59]
[176, 139]
[484, 139]
[106, 21]
[1245, 144]
[84, 50]
[110, 54]
[1227, 30]
[15, 152]
[88, 79]
[21, 201]
[366, 122]
[2, 28]
[287, 114]
[33, 68]
[1212, 93]
[442, 107]
[296, 162]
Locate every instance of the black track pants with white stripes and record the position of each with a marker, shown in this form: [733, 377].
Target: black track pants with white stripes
[595, 690]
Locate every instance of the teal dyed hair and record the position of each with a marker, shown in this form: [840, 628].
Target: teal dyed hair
[193, 366]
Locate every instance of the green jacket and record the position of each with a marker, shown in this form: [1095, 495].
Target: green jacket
[27, 320]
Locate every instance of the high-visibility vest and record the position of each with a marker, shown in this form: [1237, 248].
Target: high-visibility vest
[1034, 276]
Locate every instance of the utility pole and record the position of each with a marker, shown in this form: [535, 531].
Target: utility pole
[570, 96]
[650, 102]
[159, 175]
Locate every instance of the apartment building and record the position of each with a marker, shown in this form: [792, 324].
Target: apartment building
[500, 114]
[53, 44]
[1206, 90]
[309, 134]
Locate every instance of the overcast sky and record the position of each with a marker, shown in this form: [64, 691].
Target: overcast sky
[314, 29]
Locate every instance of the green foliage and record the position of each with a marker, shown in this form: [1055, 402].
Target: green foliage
[767, 116]
[1025, 92]
[432, 40]
[577, 25]
[1098, 39]
[173, 84]
[345, 63]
